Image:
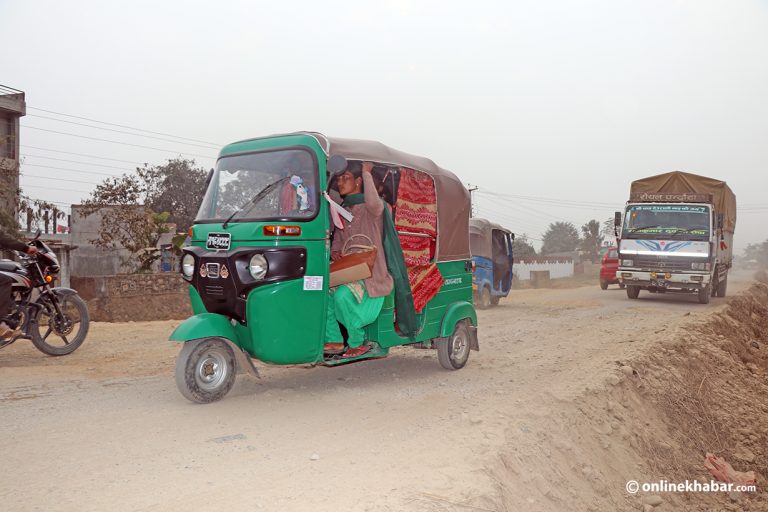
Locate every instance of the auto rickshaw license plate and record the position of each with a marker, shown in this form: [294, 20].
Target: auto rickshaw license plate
[218, 241]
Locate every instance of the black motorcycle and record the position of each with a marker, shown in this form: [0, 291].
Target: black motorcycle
[54, 318]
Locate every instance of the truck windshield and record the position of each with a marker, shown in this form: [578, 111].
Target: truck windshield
[260, 186]
[664, 220]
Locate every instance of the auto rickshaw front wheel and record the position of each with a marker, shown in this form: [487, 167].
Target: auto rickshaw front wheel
[205, 370]
[453, 351]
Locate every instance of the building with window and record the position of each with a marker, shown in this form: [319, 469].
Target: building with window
[12, 108]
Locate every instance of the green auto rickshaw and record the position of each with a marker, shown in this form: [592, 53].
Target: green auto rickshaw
[258, 261]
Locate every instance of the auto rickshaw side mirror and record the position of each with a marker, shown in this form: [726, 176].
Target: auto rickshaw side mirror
[336, 163]
[617, 219]
[512, 235]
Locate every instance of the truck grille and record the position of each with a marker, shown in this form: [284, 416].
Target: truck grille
[657, 264]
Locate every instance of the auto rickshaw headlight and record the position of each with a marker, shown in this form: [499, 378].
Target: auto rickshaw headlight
[257, 267]
[188, 265]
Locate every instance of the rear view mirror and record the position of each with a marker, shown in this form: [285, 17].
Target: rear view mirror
[617, 219]
[336, 163]
[513, 236]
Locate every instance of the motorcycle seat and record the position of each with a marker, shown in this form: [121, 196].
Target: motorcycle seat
[10, 266]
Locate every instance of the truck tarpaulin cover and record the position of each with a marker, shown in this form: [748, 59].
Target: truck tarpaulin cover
[678, 182]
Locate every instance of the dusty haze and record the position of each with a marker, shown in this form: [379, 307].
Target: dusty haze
[565, 101]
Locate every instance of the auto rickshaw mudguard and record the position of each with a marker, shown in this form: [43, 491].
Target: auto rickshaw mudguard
[205, 325]
[212, 325]
[454, 314]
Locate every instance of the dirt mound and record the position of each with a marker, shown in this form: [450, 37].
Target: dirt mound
[702, 390]
[711, 391]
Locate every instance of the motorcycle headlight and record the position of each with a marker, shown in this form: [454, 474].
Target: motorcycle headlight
[188, 265]
[627, 263]
[257, 267]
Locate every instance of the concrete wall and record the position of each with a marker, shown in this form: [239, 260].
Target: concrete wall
[89, 259]
[557, 269]
[135, 297]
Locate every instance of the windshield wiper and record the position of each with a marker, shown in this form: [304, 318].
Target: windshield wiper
[253, 202]
[632, 230]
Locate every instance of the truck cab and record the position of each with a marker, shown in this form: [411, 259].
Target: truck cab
[672, 247]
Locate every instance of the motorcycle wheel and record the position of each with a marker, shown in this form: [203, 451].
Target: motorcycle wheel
[59, 335]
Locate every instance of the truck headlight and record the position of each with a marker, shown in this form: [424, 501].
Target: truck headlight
[627, 263]
[188, 265]
[257, 267]
[698, 266]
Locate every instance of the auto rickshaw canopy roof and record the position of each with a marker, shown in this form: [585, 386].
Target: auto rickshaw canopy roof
[453, 202]
[482, 243]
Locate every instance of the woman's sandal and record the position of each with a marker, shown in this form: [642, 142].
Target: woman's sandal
[357, 351]
[333, 348]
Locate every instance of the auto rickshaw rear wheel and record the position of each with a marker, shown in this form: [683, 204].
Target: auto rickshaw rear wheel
[205, 370]
[484, 298]
[453, 351]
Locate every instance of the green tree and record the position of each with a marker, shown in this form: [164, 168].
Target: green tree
[9, 197]
[522, 248]
[8, 224]
[608, 230]
[177, 187]
[40, 214]
[591, 240]
[757, 252]
[560, 237]
[137, 209]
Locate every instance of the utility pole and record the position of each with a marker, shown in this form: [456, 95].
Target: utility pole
[472, 211]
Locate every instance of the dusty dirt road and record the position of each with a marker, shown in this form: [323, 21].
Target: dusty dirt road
[106, 429]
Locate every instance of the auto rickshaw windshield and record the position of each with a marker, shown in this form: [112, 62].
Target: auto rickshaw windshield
[265, 185]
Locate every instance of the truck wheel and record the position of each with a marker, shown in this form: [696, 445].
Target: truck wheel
[704, 294]
[722, 286]
[205, 370]
[453, 352]
[603, 284]
[633, 291]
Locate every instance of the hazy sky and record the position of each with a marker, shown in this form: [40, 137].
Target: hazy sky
[551, 108]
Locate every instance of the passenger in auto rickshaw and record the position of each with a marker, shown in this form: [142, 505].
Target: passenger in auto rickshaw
[358, 304]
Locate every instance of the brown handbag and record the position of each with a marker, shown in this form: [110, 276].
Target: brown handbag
[356, 262]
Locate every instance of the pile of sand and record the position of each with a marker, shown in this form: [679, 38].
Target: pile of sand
[704, 389]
